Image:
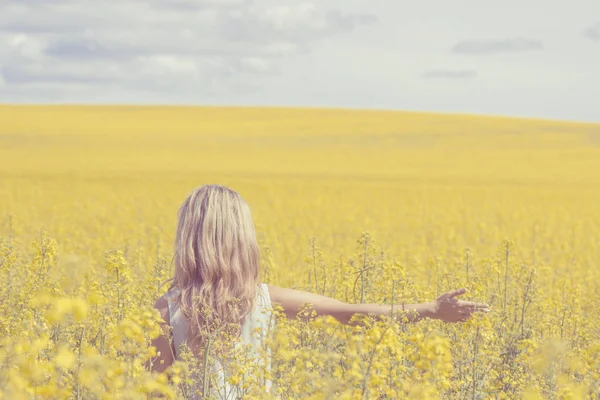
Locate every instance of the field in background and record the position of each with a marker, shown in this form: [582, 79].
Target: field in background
[507, 208]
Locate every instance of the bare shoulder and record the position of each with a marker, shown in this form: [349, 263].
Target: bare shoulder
[162, 305]
[163, 344]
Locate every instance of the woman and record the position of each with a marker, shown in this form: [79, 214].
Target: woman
[216, 259]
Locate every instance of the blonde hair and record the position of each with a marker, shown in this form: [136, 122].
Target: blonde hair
[216, 259]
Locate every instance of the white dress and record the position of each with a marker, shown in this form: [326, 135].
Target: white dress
[260, 317]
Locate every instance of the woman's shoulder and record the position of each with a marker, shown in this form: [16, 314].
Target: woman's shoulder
[164, 302]
[162, 305]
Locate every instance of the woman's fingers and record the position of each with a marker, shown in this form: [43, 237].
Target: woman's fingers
[473, 305]
[456, 293]
[465, 315]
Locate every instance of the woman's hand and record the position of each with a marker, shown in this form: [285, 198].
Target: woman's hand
[448, 308]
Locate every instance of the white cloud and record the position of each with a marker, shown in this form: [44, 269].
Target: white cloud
[489, 46]
[449, 74]
[593, 32]
[300, 16]
[171, 64]
[254, 65]
[170, 45]
[23, 46]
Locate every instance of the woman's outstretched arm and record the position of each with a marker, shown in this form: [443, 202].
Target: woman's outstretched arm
[446, 307]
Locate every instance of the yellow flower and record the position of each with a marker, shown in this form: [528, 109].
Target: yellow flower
[65, 357]
[87, 376]
[79, 308]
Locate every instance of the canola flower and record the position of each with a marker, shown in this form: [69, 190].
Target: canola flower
[365, 207]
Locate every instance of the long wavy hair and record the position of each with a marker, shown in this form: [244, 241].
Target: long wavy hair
[216, 259]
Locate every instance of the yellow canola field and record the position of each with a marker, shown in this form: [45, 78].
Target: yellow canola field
[364, 206]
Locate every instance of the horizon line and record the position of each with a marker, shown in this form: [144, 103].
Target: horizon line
[524, 118]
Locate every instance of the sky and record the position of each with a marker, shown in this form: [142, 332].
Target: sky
[533, 58]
